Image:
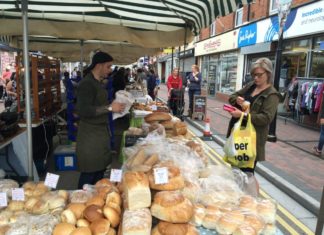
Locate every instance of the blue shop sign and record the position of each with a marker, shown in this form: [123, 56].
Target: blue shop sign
[247, 35]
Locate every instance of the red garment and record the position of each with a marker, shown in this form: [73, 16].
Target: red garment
[175, 83]
[6, 76]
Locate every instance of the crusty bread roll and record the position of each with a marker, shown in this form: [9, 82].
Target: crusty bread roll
[96, 200]
[157, 117]
[152, 160]
[267, 211]
[77, 209]
[199, 214]
[63, 229]
[82, 223]
[100, 227]
[228, 223]
[68, 216]
[244, 229]
[179, 128]
[112, 215]
[165, 228]
[176, 180]
[115, 206]
[248, 203]
[270, 229]
[111, 231]
[40, 189]
[211, 218]
[190, 191]
[255, 222]
[29, 185]
[167, 124]
[92, 213]
[41, 207]
[81, 231]
[56, 202]
[172, 206]
[114, 197]
[30, 203]
[16, 205]
[64, 194]
[137, 222]
[141, 168]
[136, 190]
[103, 182]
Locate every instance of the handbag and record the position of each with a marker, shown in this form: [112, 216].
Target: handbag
[240, 147]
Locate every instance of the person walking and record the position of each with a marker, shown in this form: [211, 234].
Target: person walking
[317, 149]
[151, 83]
[93, 148]
[194, 85]
[264, 100]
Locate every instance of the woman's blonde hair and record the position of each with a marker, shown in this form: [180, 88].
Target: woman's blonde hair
[265, 64]
[195, 66]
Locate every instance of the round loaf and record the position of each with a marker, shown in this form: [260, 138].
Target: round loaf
[63, 229]
[267, 211]
[103, 182]
[41, 207]
[164, 228]
[92, 213]
[245, 229]
[56, 202]
[81, 231]
[111, 231]
[199, 214]
[64, 194]
[248, 203]
[255, 222]
[96, 200]
[67, 216]
[114, 206]
[176, 180]
[228, 223]
[112, 215]
[30, 203]
[168, 125]
[82, 223]
[180, 128]
[172, 206]
[16, 205]
[157, 117]
[100, 227]
[30, 185]
[77, 209]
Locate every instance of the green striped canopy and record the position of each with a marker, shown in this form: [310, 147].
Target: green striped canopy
[141, 23]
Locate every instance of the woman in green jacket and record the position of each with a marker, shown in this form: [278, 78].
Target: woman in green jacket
[264, 100]
[92, 149]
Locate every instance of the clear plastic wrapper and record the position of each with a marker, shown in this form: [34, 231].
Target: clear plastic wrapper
[229, 222]
[80, 196]
[267, 210]
[6, 185]
[125, 98]
[42, 224]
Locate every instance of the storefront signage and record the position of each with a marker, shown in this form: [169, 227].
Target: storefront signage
[187, 53]
[256, 48]
[247, 35]
[224, 42]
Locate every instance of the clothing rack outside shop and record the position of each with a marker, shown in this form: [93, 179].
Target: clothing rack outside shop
[307, 102]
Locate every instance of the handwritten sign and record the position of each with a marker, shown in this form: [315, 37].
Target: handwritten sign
[116, 175]
[51, 180]
[3, 200]
[199, 106]
[161, 175]
[18, 194]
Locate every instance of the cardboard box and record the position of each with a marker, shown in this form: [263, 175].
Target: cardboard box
[65, 158]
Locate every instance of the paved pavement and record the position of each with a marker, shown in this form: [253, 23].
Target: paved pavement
[289, 161]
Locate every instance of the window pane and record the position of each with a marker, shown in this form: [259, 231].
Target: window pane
[228, 72]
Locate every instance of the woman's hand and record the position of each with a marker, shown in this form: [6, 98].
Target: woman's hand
[236, 113]
[117, 107]
[240, 100]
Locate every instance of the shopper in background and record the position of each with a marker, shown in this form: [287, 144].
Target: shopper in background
[10, 100]
[93, 145]
[317, 149]
[264, 100]
[151, 83]
[6, 75]
[194, 85]
[174, 81]
[119, 82]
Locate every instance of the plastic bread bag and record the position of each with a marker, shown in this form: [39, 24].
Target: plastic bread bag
[229, 222]
[6, 185]
[125, 98]
[246, 181]
[267, 210]
[251, 221]
[21, 226]
[81, 196]
[42, 224]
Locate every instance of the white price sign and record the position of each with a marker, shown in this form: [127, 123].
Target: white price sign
[161, 175]
[116, 175]
[18, 194]
[51, 180]
[3, 200]
[153, 107]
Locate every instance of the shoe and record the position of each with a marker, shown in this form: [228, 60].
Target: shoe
[316, 151]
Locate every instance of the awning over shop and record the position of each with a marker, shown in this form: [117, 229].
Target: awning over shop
[147, 23]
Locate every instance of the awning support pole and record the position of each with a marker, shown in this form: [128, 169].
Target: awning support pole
[24, 8]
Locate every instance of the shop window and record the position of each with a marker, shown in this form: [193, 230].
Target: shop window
[239, 17]
[273, 7]
[317, 64]
[228, 72]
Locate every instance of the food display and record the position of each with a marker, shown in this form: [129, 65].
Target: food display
[168, 187]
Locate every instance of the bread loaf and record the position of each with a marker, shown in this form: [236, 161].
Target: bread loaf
[164, 228]
[81, 231]
[168, 125]
[137, 222]
[172, 206]
[157, 117]
[100, 227]
[180, 128]
[63, 229]
[152, 160]
[136, 190]
[176, 180]
[137, 159]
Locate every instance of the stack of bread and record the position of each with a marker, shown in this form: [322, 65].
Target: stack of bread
[99, 214]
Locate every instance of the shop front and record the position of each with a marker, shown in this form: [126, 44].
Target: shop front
[301, 72]
[219, 63]
[186, 60]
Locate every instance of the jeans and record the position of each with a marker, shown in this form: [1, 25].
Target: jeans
[90, 178]
[192, 93]
[321, 139]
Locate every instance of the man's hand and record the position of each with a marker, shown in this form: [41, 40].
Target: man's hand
[117, 107]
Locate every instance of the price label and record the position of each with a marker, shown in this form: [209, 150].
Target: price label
[18, 194]
[161, 175]
[51, 180]
[154, 107]
[116, 175]
[3, 200]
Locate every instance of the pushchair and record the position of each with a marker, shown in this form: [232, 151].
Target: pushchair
[176, 102]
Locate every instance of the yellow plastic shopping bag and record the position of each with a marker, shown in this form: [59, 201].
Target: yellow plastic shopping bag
[240, 147]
